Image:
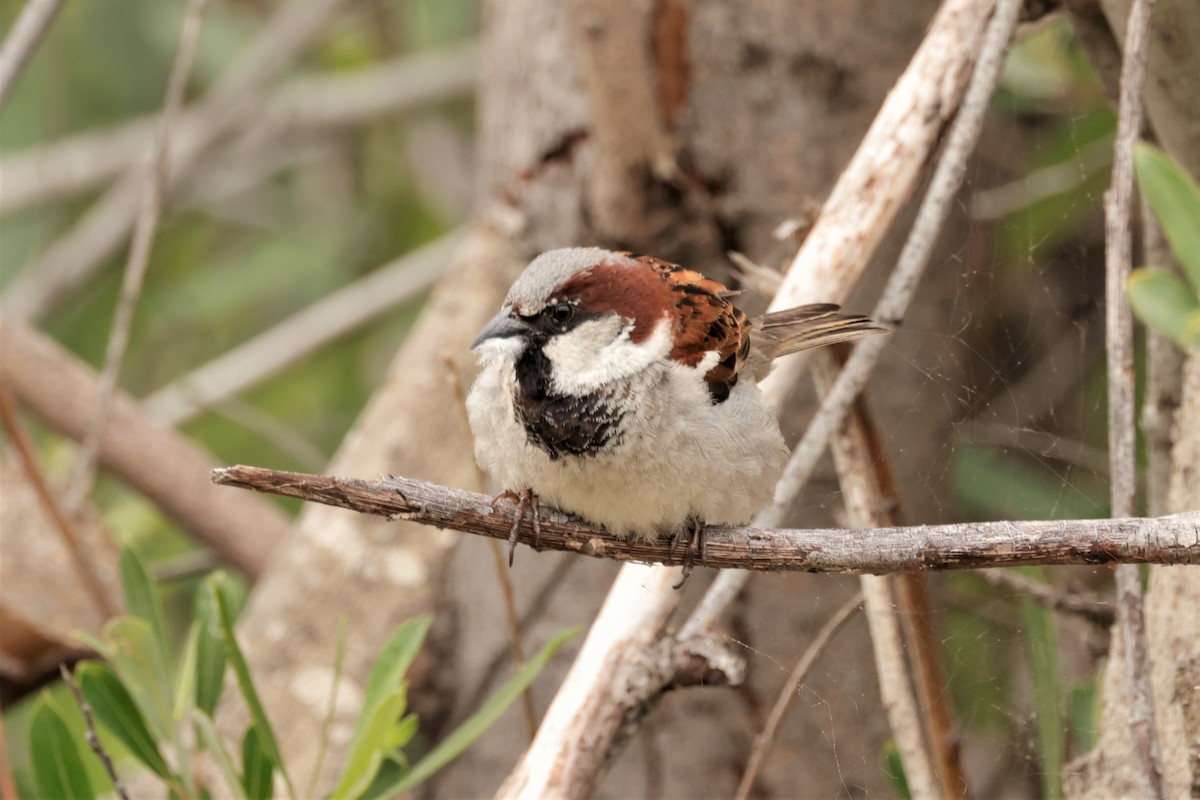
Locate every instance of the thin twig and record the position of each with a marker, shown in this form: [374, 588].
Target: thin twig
[791, 687]
[93, 739]
[1118, 248]
[285, 343]
[59, 389]
[1091, 607]
[37, 478]
[902, 284]
[23, 40]
[106, 224]
[1172, 539]
[503, 576]
[84, 472]
[307, 105]
[872, 499]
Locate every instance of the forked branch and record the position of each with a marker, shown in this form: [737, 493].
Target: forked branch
[966, 545]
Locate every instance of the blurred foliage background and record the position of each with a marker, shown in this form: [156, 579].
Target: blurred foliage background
[331, 205]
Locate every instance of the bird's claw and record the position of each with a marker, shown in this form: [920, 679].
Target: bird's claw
[526, 500]
[694, 549]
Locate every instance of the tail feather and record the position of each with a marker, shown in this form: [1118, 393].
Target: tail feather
[816, 325]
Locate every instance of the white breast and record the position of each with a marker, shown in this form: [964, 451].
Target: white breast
[717, 463]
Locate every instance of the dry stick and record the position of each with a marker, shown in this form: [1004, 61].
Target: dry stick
[22, 40]
[860, 209]
[61, 390]
[1173, 539]
[902, 284]
[86, 160]
[37, 478]
[93, 739]
[872, 499]
[80, 484]
[791, 687]
[285, 343]
[503, 574]
[1091, 607]
[1118, 249]
[102, 229]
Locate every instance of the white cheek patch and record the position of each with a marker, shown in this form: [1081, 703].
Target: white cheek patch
[600, 351]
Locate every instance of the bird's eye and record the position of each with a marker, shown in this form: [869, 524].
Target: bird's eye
[561, 313]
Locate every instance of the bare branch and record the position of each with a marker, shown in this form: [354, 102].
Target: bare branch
[22, 41]
[82, 563]
[284, 344]
[93, 739]
[86, 160]
[105, 226]
[61, 390]
[902, 284]
[1091, 607]
[1118, 249]
[84, 472]
[790, 688]
[964, 545]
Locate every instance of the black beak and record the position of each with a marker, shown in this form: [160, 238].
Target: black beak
[503, 326]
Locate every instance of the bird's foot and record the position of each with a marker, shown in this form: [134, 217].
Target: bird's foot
[695, 548]
[527, 501]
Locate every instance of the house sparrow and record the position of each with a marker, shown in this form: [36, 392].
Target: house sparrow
[624, 390]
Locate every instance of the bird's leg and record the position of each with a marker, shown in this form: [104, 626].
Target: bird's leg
[695, 546]
[526, 499]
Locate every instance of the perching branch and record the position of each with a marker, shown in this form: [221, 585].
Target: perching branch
[965, 545]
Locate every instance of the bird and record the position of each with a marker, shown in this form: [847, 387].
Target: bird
[624, 389]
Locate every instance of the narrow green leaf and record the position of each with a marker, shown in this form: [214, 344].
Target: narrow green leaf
[142, 598]
[370, 747]
[1162, 301]
[391, 665]
[185, 676]
[138, 660]
[256, 767]
[1041, 635]
[475, 725]
[57, 761]
[210, 645]
[1175, 198]
[115, 709]
[339, 660]
[216, 748]
[893, 767]
[403, 732]
[245, 683]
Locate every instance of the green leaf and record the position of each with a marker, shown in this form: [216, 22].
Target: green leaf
[1162, 301]
[403, 732]
[142, 598]
[1042, 637]
[137, 658]
[370, 746]
[475, 725]
[57, 761]
[391, 665]
[383, 703]
[210, 645]
[241, 671]
[117, 712]
[216, 748]
[893, 767]
[256, 767]
[1175, 198]
[185, 678]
